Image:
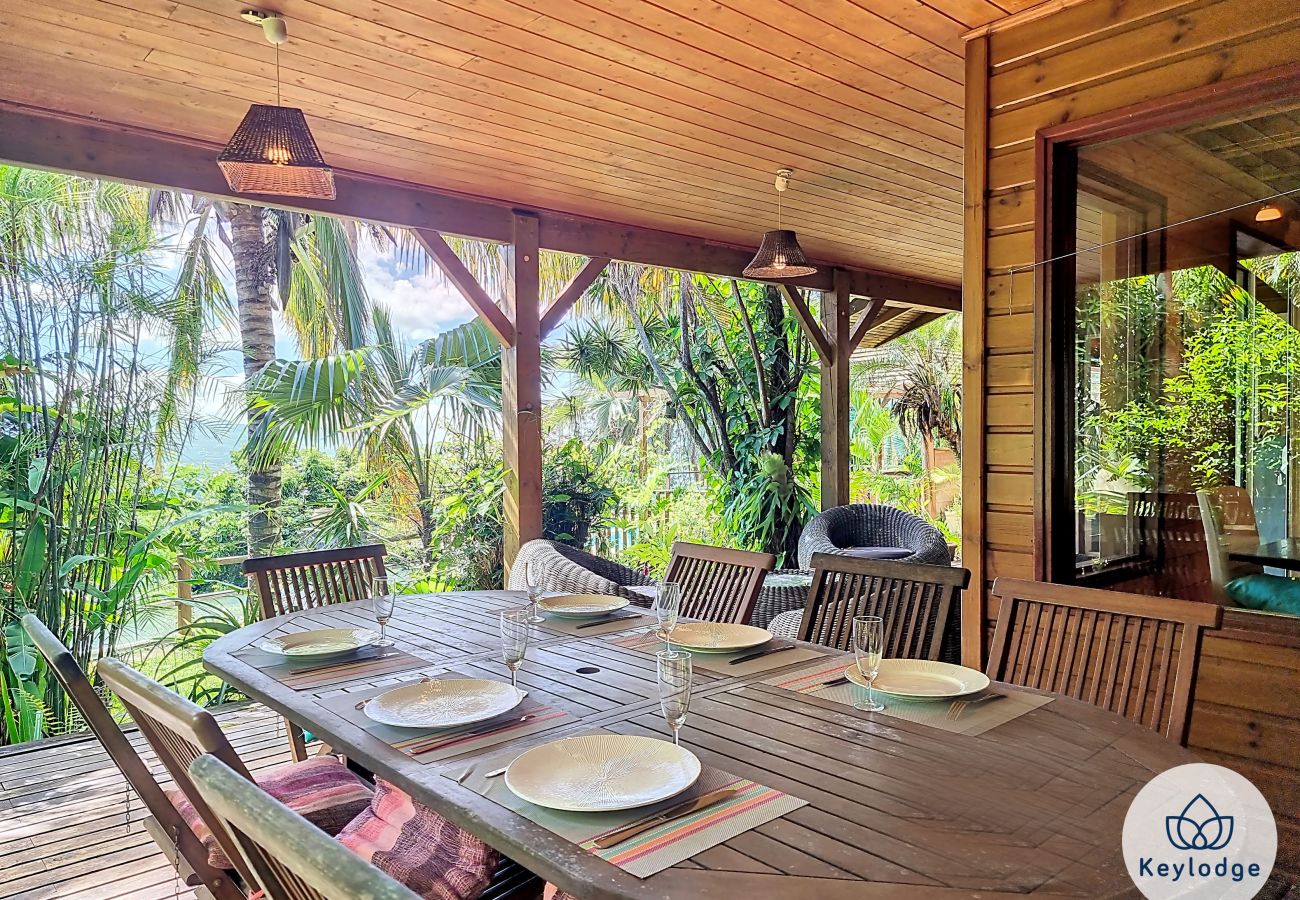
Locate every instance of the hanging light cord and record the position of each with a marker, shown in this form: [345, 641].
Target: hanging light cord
[277, 76]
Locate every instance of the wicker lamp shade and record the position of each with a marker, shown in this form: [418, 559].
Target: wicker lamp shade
[272, 152]
[779, 256]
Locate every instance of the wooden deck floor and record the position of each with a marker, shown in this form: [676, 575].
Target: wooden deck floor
[71, 828]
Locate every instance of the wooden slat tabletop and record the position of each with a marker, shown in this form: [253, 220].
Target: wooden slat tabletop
[895, 809]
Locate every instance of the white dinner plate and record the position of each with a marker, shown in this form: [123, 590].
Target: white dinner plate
[443, 703]
[581, 606]
[602, 772]
[321, 643]
[922, 679]
[718, 637]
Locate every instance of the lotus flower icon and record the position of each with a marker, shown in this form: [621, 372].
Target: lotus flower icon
[1199, 826]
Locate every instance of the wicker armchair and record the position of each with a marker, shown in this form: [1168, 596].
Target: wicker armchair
[858, 526]
[559, 567]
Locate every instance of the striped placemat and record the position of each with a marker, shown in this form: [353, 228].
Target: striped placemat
[306, 677]
[967, 718]
[627, 618]
[662, 846]
[721, 663]
[435, 745]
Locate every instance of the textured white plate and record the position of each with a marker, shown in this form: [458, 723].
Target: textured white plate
[581, 606]
[923, 679]
[321, 643]
[718, 637]
[443, 703]
[602, 772]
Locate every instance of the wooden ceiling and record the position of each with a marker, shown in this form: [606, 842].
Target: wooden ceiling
[671, 114]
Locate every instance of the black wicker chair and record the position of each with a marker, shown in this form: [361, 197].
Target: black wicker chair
[860, 528]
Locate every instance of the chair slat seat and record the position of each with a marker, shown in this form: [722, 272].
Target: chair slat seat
[1132, 654]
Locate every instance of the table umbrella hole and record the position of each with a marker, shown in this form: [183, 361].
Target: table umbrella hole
[587, 670]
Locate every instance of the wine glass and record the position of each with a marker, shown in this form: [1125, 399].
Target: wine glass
[674, 687]
[382, 603]
[667, 606]
[534, 594]
[515, 629]
[868, 644]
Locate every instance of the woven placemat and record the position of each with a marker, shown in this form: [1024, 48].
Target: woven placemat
[430, 745]
[970, 716]
[308, 677]
[662, 846]
[722, 663]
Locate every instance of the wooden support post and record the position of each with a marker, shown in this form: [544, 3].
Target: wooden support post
[463, 280]
[572, 292]
[836, 305]
[521, 393]
[805, 317]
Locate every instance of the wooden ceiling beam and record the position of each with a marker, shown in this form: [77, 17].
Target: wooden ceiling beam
[809, 322]
[465, 282]
[43, 139]
[865, 322]
[586, 276]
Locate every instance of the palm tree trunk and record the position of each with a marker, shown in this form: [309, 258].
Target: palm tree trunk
[248, 247]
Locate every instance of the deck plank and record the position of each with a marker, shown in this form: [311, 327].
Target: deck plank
[72, 830]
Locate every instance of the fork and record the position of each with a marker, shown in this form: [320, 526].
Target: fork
[957, 709]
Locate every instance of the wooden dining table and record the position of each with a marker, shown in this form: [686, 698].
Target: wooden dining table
[895, 809]
[1283, 554]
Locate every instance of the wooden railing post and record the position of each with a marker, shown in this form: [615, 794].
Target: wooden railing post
[184, 592]
[521, 393]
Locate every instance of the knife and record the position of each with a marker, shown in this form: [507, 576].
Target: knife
[760, 653]
[679, 811]
[607, 620]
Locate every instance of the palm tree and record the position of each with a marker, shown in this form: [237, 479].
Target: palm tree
[920, 372]
[398, 404]
[307, 263]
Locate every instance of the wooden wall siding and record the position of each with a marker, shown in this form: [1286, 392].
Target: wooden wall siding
[671, 115]
[1089, 58]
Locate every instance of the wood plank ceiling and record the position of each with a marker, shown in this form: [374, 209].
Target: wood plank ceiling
[672, 115]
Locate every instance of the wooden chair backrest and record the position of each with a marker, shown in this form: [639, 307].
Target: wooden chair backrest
[718, 584]
[1170, 540]
[179, 732]
[291, 858]
[916, 601]
[294, 582]
[1222, 569]
[1132, 654]
[119, 748]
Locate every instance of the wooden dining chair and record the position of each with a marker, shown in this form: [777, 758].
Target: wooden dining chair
[291, 859]
[1132, 654]
[180, 732]
[919, 604]
[718, 584]
[293, 582]
[174, 837]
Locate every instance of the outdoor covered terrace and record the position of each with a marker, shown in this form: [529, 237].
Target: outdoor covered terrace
[947, 155]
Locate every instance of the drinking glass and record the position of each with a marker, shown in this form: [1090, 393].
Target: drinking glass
[515, 629]
[667, 606]
[534, 594]
[674, 687]
[868, 644]
[382, 602]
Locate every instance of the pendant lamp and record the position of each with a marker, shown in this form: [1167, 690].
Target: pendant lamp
[779, 255]
[272, 151]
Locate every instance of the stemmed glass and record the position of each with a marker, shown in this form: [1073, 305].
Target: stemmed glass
[534, 594]
[515, 629]
[667, 606]
[382, 603]
[868, 644]
[674, 687]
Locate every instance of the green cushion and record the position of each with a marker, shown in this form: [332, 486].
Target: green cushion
[1268, 593]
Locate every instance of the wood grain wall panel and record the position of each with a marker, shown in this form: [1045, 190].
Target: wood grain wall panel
[1090, 58]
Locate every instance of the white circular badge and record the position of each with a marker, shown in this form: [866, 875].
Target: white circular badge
[1199, 831]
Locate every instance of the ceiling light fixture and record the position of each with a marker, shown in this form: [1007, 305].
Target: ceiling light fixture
[779, 255]
[1269, 212]
[273, 151]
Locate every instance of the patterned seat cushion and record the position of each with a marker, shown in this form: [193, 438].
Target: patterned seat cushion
[413, 844]
[322, 790]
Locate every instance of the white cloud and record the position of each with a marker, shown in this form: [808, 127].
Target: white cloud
[422, 305]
